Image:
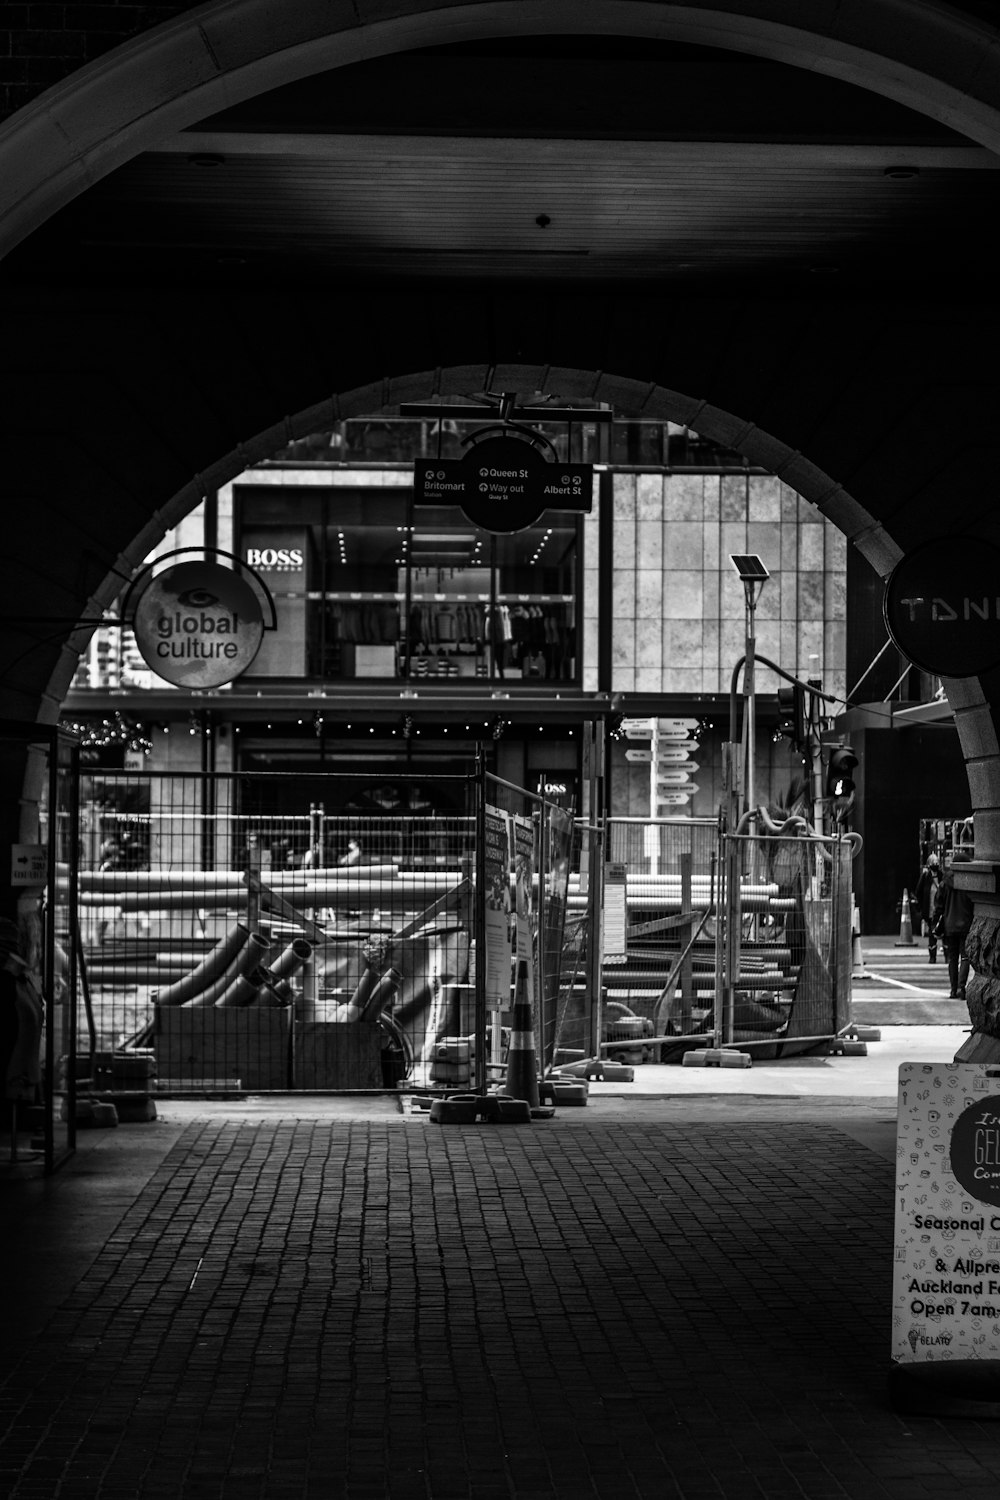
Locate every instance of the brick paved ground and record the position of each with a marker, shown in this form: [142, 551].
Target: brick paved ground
[350, 1309]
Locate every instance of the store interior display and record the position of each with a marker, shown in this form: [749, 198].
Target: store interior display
[384, 588]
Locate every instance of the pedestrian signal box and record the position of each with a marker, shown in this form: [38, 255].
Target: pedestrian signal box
[840, 767]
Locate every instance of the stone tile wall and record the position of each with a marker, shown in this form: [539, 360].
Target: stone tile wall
[678, 623]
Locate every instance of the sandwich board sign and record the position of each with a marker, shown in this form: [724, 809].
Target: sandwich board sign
[946, 1266]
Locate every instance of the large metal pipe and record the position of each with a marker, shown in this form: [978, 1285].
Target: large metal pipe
[246, 960]
[158, 900]
[392, 896]
[115, 882]
[258, 988]
[209, 969]
[241, 993]
[298, 952]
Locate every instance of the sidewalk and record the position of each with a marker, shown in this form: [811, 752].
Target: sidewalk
[681, 1289]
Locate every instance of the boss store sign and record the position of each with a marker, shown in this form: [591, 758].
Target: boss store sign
[278, 554]
[269, 558]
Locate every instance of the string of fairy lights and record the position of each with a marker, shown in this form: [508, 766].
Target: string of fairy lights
[118, 731]
[115, 730]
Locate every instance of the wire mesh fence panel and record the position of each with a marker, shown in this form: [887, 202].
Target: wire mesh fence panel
[248, 940]
[654, 846]
[651, 984]
[532, 936]
[787, 990]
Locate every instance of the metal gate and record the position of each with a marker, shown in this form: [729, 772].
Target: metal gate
[232, 937]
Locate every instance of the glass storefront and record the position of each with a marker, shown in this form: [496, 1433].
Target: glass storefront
[368, 585]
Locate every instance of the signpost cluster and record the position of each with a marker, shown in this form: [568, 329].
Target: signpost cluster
[670, 757]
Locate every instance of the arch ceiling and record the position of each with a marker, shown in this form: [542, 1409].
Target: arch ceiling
[767, 214]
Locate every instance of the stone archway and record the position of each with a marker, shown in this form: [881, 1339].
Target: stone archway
[217, 54]
[735, 432]
[213, 54]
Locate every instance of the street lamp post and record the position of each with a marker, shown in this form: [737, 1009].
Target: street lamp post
[753, 575]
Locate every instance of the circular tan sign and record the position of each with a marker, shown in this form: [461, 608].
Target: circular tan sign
[198, 624]
[942, 606]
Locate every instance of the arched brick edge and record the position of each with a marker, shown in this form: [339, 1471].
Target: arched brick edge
[924, 55]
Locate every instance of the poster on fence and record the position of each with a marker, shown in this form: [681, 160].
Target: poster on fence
[946, 1268]
[497, 914]
[615, 912]
[560, 848]
[524, 879]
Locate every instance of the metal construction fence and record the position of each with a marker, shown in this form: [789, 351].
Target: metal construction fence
[225, 937]
[741, 939]
[238, 944]
[534, 917]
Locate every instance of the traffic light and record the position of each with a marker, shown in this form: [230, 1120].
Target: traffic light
[792, 714]
[839, 767]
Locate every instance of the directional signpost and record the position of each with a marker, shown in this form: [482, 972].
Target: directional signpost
[673, 766]
[675, 775]
[676, 729]
[638, 729]
[668, 753]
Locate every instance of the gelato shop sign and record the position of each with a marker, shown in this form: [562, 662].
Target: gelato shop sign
[199, 624]
[946, 1281]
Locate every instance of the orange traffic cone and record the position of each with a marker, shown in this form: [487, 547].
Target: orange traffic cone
[522, 1067]
[905, 939]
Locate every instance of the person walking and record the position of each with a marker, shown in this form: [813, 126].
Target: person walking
[925, 894]
[953, 916]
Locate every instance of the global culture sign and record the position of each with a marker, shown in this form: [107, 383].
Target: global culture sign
[198, 624]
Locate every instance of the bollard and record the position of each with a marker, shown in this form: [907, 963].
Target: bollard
[522, 1068]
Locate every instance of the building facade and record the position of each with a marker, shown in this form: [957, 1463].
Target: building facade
[406, 636]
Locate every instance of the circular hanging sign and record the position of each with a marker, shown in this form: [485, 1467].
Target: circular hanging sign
[508, 484]
[975, 1150]
[942, 606]
[198, 624]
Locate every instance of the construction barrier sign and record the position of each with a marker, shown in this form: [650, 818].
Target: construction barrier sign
[946, 1272]
[615, 912]
[497, 907]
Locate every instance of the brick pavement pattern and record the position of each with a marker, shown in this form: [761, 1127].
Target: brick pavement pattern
[344, 1310]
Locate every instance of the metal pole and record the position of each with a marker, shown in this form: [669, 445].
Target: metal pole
[721, 929]
[749, 693]
[479, 924]
[543, 914]
[595, 945]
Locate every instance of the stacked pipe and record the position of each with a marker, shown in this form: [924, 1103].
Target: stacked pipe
[235, 973]
[662, 893]
[383, 886]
